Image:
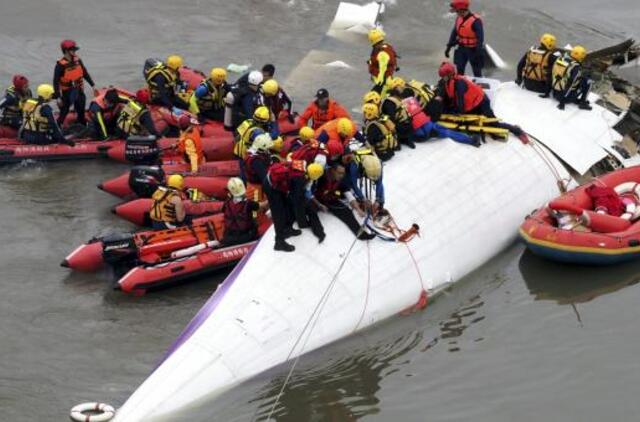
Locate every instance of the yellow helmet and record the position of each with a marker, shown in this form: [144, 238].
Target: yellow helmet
[372, 97]
[370, 111]
[372, 167]
[174, 62]
[262, 114]
[270, 87]
[218, 75]
[396, 83]
[45, 91]
[579, 53]
[236, 187]
[306, 133]
[376, 35]
[175, 181]
[345, 127]
[315, 171]
[277, 145]
[548, 41]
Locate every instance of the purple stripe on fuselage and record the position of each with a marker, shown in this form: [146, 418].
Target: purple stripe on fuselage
[208, 307]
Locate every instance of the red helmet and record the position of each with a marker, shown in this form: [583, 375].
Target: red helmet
[460, 4]
[184, 121]
[68, 45]
[335, 148]
[142, 96]
[20, 82]
[446, 69]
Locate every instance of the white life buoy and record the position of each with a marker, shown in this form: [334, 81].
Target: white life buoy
[632, 211]
[107, 412]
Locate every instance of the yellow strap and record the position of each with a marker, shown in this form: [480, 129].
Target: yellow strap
[475, 128]
[193, 104]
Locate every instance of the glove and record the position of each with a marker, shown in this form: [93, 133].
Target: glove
[544, 95]
[447, 51]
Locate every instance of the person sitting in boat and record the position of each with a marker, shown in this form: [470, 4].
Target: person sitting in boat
[190, 143]
[321, 110]
[379, 131]
[284, 186]
[268, 72]
[39, 126]
[332, 194]
[250, 128]
[14, 98]
[163, 80]
[239, 102]
[570, 83]
[383, 61]
[305, 134]
[207, 101]
[69, 75]
[134, 119]
[429, 101]
[167, 211]
[468, 35]
[393, 107]
[534, 68]
[276, 100]
[342, 130]
[259, 157]
[240, 213]
[103, 112]
[364, 170]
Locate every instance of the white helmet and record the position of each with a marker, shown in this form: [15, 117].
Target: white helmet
[263, 142]
[255, 77]
[236, 187]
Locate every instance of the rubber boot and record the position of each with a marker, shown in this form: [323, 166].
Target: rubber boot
[283, 246]
[584, 105]
[291, 232]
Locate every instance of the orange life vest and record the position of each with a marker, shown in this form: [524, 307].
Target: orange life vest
[72, 74]
[320, 116]
[472, 97]
[194, 135]
[331, 127]
[374, 66]
[464, 28]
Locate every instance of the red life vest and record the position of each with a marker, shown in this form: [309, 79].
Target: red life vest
[72, 74]
[237, 216]
[472, 97]
[374, 66]
[319, 116]
[248, 165]
[328, 191]
[194, 135]
[464, 28]
[418, 117]
[309, 151]
[281, 174]
[107, 113]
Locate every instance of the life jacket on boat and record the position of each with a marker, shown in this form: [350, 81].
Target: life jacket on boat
[214, 99]
[194, 136]
[13, 113]
[389, 141]
[33, 120]
[473, 96]
[374, 65]
[163, 209]
[244, 138]
[129, 119]
[72, 74]
[238, 217]
[418, 117]
[561, 73]
[467, 37]
[108, 113]
[170, 77]
[280, 175]
[536, 65]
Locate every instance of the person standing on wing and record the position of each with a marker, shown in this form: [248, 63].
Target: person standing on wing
[468, 36]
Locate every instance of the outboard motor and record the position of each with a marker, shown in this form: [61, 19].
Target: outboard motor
[142, 150]
[144, 180]
[118, 248]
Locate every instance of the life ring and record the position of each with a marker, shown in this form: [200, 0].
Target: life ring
[107, 412]
[632, 210]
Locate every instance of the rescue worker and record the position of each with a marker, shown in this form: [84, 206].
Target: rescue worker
[239, 102]
[468, 36]
[321, 110]
[240, 224]
[259, 158]
[312, 152]
[285, 187]
[190, 142]
[393, 107]
[430, 102]
[167, 211]
[134, 119]
[372, 97]
[268, 71]
[570, 83]
[250, 128]
[163, 81]
[207, 101]
[68, 83]
[379, 131]
[14, 98]
[342, 130]
[365, 180]
[305, 134]
[276, 100]
[534, 69]
[383, 62]
[103, 112]
[332, 194]
[39, 127]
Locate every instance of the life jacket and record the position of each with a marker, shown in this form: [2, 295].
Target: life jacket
[472, 97]
[171, 79]
[320, 117]
[33, 120]
[328, 191]
[214, 99]
[243, 138]
[331, 127]
[107, 113]
[248, 163]
[561, 73]
[309, 151]
[374, 66]
[72, 74]
[237, 216]
[421, 91]
[163, 209]
[281, 174]
[537, 64]
[129, 119]
[401, 114]
[194, 136]
[387, 128]
[14, 112]
[464, 29]
[358, 154]
[275, 104]
[418, 117]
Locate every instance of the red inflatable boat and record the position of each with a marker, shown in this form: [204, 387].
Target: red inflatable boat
[214, 187]
[16, 152]
[595, 224]
[137, 211]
